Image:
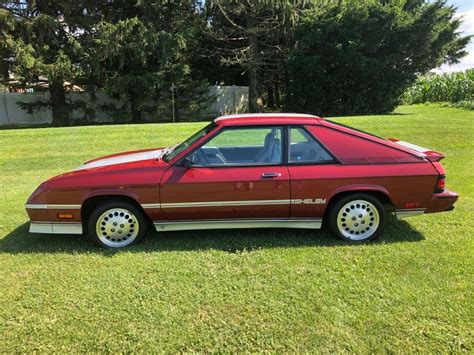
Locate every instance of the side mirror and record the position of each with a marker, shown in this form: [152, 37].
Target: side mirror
[186, 163]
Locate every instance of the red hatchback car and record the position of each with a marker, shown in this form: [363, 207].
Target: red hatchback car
[246, 171]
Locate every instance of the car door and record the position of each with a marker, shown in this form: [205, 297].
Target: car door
[237, 174]
[310, 167]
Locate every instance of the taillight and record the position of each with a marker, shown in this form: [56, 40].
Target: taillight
[440, 184]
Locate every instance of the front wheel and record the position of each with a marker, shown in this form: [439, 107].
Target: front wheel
[357, 218]
[116, 224]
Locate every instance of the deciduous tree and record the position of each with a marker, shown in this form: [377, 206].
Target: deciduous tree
[252, 37]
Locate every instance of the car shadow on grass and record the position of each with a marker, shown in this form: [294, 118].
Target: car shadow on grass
[233, 241]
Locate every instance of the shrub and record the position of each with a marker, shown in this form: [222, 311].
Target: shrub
[358, 57]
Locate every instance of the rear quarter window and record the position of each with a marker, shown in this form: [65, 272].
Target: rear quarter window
[351, 149]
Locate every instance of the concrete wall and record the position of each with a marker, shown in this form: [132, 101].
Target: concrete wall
[228, 99]
[11, 113]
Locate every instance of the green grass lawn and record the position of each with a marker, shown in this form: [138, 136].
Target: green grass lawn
[255, 290]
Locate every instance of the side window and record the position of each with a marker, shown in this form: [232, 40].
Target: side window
[305, 149]
[241, 146]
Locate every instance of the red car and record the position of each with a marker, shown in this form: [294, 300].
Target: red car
[246, 171]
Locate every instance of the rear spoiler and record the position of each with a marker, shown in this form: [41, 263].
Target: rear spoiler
[429, 154]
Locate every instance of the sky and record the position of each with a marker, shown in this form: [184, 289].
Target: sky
[466, 12]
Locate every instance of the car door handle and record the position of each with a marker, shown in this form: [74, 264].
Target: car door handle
[270, 175]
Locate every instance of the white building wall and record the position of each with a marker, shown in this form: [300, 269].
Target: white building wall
[229, 99]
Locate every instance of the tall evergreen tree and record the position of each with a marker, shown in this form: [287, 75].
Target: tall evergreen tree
[138, 50]
[43, 40]
[141, 53]
[358, 56]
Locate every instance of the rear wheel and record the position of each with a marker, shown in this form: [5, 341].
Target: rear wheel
[116, 224]
[357, 217]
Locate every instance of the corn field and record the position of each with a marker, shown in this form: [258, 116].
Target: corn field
[455, 88]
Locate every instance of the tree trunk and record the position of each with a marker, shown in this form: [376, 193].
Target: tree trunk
[58, 104]
[253, 59]
[276, 88]
[253, 107]
[136, 112]
[5, 73]
[270, 96]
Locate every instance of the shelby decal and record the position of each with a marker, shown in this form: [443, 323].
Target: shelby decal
[309, 201]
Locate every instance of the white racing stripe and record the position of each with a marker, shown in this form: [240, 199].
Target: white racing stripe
[34, 206]
[225, 203]
[192, 204]
[121, 159]
[235, 203]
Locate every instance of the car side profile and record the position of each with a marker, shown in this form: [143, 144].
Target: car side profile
[246, 171]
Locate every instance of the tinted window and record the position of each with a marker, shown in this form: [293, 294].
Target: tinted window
[241, 146]
[305, 149]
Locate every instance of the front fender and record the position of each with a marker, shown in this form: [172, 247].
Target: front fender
[110, 192]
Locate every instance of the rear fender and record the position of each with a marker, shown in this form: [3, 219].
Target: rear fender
[362, 188]
[439, 168]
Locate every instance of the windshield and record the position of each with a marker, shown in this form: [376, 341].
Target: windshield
[176, 149]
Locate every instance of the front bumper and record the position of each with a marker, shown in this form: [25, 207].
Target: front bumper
[55, 228]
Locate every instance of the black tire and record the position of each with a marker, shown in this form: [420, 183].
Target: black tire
[345, 221]
[122, 226]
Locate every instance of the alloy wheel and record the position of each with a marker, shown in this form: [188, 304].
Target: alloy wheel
[358, 220]
[117, 227]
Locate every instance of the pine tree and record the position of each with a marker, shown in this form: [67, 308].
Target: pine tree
[43, 42]
[141, 54]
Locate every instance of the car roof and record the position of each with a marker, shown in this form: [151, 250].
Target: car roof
[267, 118]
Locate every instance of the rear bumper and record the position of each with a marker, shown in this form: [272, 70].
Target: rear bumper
[401, 214]
[442, 202]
